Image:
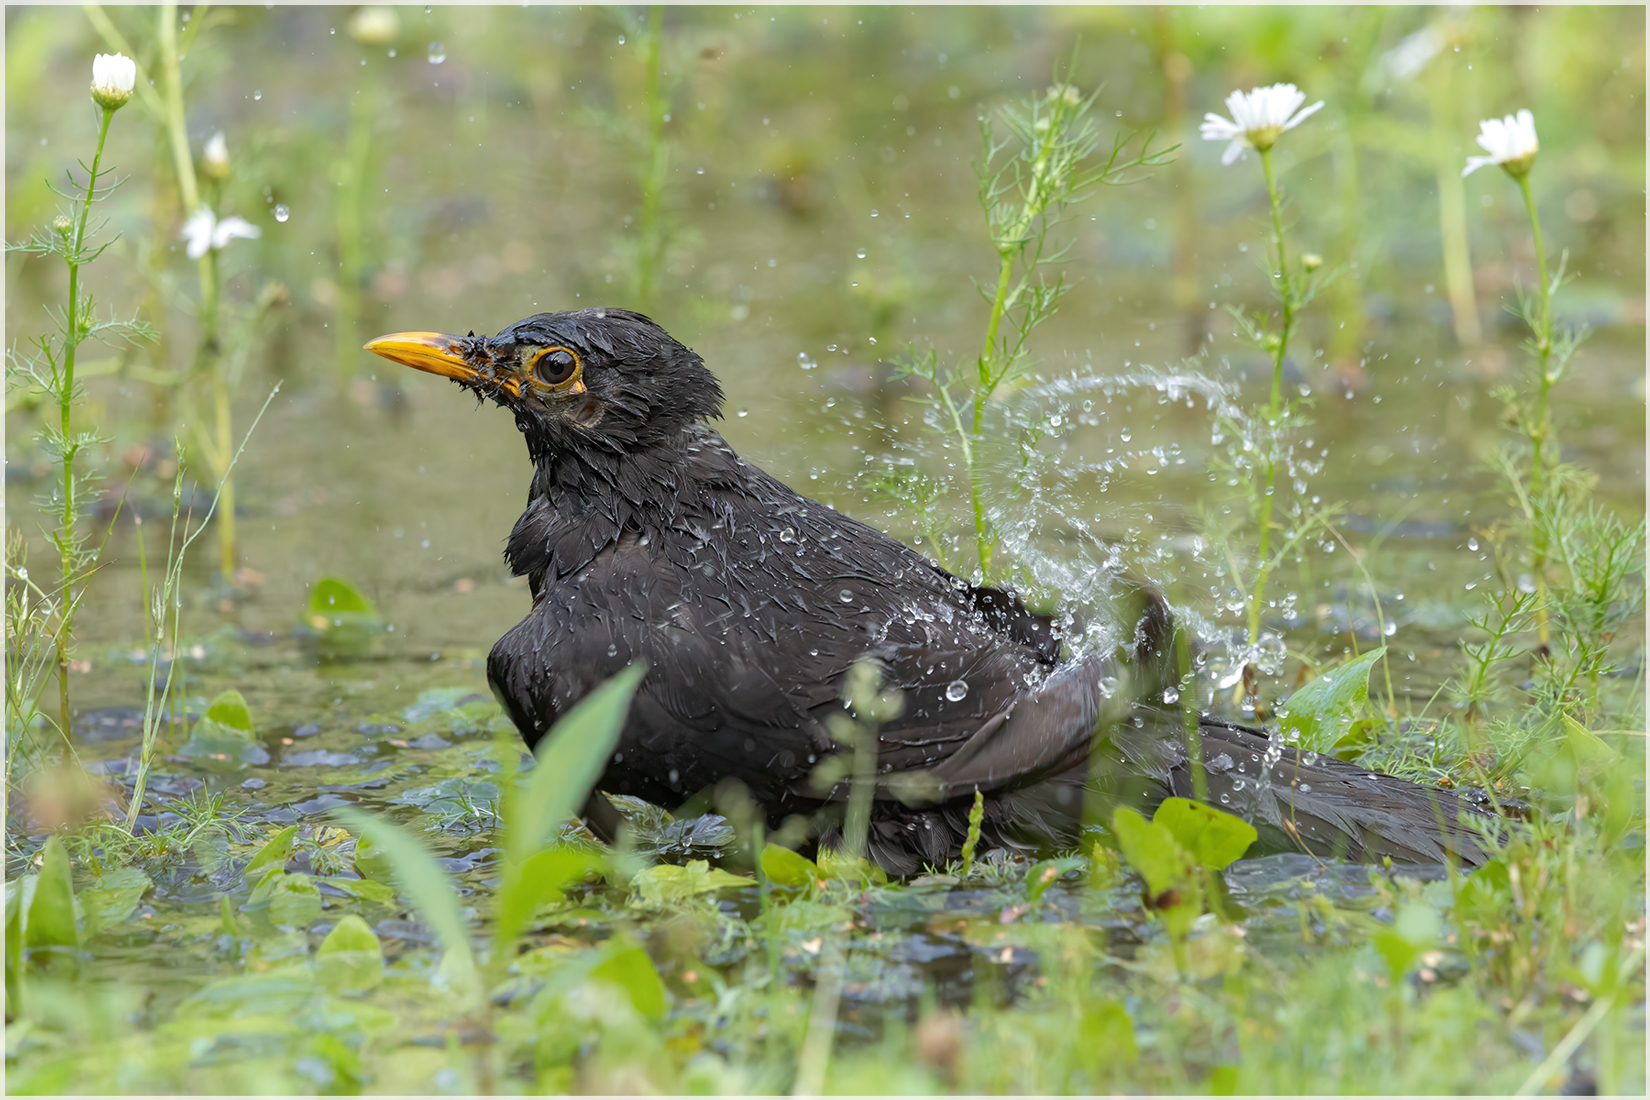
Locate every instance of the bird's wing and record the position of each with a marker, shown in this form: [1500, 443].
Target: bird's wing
[802, 592]
[1297, 801]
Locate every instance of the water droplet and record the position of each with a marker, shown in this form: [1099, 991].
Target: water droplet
[1389, 628]
[1125, 435]
[256, 94]
[789, 535]
[621, 39]
[860, 253]
[846, 596]
[1226, 799]
[282, 212]
[612, 650]
[956, 690]
[392, 51]
[1472, 544]
[744, 411]
[438, 53]
[1170, 695]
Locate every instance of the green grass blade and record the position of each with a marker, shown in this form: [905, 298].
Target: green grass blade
[429, 887]
[570, 758]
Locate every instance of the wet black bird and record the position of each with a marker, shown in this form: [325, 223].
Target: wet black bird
[646, 537]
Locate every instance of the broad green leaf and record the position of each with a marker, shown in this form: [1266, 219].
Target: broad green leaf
[1213, 837]
[370, 861]
[275, 992]
[364, 888]
[1325, 709]
[423, 880]
[631, 970]
[285, 899]
[50, 920]
[570, 758]
[275, 852]
[229, 710]
[665, 883]
[788, 870]
[334, 595]
[1152, 850]
[350, 959]
[834, 863]
[1039, 878]
[1174, 885]
[542, 880]
[115, 895]
[338, 620]
[14, 953]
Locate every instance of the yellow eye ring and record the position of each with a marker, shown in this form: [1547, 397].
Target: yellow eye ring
[558, 369]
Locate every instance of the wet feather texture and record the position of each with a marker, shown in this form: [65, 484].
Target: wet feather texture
[645, 537]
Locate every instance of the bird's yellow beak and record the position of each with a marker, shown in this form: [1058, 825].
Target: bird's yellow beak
[437, 353]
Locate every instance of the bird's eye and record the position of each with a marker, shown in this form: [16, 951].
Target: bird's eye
[555, 366]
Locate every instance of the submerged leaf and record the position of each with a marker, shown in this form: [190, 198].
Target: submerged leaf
[275, 852]
[350, 959]
[666, 883]
[115, 896]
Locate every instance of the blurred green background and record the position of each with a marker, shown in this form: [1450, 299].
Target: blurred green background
[475, 165]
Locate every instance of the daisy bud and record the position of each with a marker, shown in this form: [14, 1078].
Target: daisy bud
[215, 158]
[62, 224]
[113, 77]
[1311, 261]
[375, 25]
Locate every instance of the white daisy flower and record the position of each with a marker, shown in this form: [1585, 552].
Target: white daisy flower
[1258, 117]
[113, 77]
[204, 231]
[1510, 142]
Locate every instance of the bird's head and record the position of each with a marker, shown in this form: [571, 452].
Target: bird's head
[607, 379]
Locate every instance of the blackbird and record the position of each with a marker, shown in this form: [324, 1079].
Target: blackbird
[646, 537]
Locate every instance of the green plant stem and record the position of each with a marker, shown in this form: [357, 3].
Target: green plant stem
[984, 543]
[1538, 431]
[72, 337]
[1275, 408]
[188, 190]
